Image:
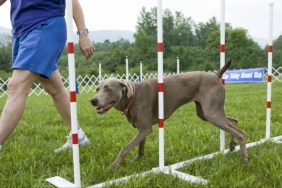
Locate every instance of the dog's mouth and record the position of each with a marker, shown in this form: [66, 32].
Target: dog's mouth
[105, 108]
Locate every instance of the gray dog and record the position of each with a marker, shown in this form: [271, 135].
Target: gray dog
[139, 102]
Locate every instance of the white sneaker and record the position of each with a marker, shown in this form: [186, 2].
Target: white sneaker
[68, 145]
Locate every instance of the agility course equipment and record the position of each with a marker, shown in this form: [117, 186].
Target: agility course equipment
[172, 169]
[58, 181]
[222, 59]
[269, 78]
[269, 74]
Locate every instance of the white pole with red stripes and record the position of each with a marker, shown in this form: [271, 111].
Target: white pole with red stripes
[58, 181]
[73, 106]
[269, 73]
[160, 83]
[222, 59]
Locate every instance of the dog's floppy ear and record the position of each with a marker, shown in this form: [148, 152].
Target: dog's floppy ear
[127, 86]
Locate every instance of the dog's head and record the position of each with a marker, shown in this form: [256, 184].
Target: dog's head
[109, 94]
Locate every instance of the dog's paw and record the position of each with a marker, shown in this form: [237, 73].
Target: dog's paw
[245, 159]
[232, 146]
[136, 158]
[114, 166]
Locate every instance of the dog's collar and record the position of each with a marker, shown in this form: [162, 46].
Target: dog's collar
[125, 111]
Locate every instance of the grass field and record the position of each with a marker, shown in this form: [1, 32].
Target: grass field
[27, 157]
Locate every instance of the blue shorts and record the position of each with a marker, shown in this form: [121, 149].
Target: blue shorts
[39, 50]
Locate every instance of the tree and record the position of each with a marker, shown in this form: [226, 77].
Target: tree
[5, 52]
[203, 30]
[277, 52]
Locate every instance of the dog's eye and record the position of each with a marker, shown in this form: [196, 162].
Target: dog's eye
[107, 88]
[97, 89]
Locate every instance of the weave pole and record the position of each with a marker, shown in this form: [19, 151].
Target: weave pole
[162, 168]
[222, 60]
[160, 83]
[269, 73]
[58, 181]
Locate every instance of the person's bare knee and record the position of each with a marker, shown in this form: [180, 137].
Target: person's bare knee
[53, 86]
[49, 89]
[20, 83]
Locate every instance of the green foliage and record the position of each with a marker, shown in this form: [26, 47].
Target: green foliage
[5, 53]
[277, 52]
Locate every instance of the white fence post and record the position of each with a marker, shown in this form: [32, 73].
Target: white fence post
[177, 66]
[100, 71]
[126, 67]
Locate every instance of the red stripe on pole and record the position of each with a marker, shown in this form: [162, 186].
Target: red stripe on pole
[268, 104]
[222, 48]
[74, 138]
[269, 78]
[160, 47]
[161, 123]
[223, 81]
[70, 48]
[72, 96]
[269, 48]
[160, 87]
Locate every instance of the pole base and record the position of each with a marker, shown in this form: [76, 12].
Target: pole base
[60, 182]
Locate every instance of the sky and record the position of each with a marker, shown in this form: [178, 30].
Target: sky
[252, 15]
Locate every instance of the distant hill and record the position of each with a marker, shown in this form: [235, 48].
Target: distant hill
[98, 36]
[5, 30]
[115, 35]
[111, 35]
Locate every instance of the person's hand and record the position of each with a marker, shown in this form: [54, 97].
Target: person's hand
[86, 45]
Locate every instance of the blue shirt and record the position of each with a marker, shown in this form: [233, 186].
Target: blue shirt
[29, 14]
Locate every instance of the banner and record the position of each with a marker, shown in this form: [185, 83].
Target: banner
[244, 75]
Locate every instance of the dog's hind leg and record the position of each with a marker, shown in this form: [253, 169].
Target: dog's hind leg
[232, 142]
[218, 119]
[200, 114]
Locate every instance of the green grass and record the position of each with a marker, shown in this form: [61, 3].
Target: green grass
[27, 157]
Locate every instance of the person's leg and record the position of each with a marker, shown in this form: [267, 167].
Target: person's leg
[18, 88]
[55, 87]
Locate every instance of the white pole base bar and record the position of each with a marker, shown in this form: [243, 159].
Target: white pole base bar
[60, 182]
[120, 180]
[171, 169]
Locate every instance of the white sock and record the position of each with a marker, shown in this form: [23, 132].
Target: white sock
[81, 134]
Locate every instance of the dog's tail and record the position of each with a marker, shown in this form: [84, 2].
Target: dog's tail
[223, 69]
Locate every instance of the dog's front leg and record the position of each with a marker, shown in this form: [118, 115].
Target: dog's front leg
[141, 136]
[141, 149]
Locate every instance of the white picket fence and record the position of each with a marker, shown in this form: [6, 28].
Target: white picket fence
[89, 83]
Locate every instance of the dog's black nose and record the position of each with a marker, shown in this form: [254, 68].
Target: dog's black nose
[94, 101]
